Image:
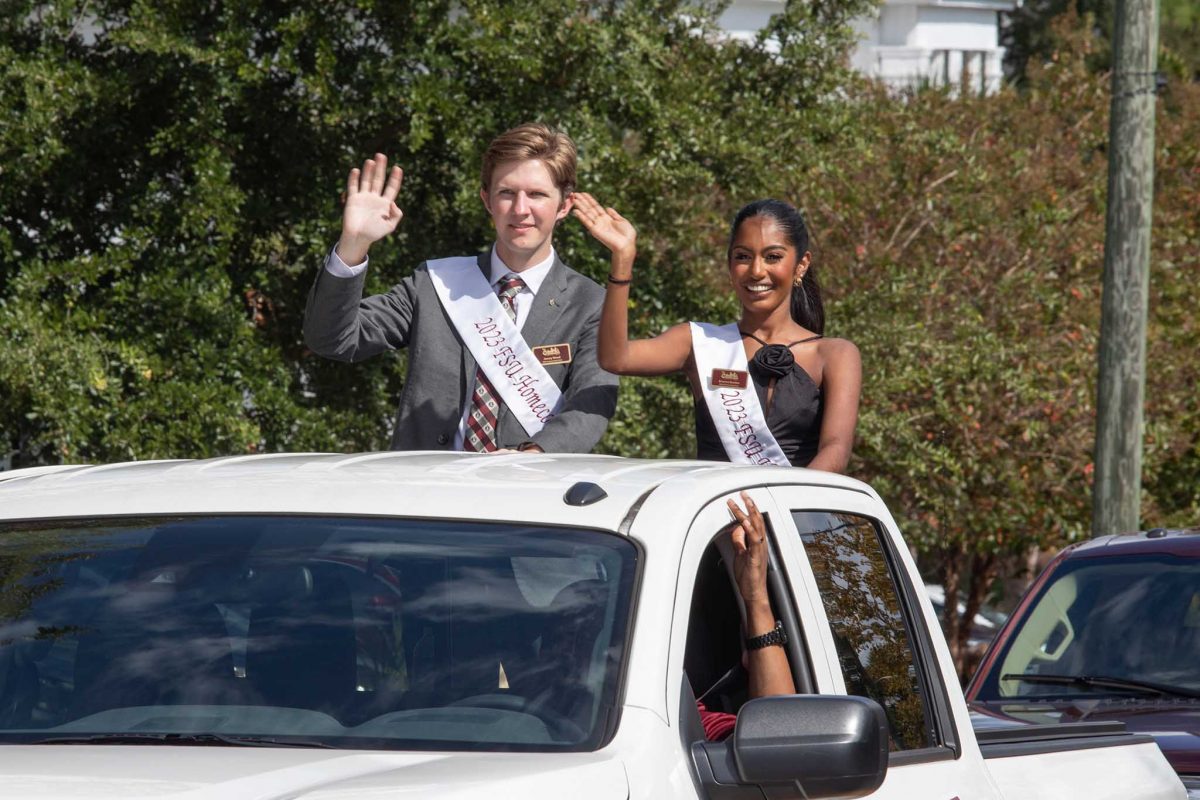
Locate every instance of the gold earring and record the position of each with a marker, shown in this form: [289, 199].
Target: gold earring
[799, 280]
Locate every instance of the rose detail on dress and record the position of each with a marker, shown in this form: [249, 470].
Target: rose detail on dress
[773, 360]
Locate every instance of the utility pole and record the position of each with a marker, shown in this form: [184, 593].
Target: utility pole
[1116, 498]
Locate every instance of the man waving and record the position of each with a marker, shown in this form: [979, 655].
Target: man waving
[502, 345]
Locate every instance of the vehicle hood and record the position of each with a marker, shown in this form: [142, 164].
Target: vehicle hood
[91, 772]
[1174, 724]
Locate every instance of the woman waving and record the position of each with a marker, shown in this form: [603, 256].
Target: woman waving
[768, 389]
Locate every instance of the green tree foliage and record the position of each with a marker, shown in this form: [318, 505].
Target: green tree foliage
[1028, 34]
[1179, 38]
[965, 238]
[169, 175]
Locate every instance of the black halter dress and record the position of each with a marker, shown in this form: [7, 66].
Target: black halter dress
[794, 417]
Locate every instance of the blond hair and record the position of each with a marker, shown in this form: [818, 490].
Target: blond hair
[533, 141]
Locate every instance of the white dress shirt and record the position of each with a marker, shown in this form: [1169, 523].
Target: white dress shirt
[532, 276]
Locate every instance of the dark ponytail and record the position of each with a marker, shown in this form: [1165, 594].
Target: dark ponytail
[807, 309]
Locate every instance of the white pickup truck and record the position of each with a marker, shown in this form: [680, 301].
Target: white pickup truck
[439, 625]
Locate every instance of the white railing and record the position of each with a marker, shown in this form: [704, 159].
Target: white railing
[970, 70]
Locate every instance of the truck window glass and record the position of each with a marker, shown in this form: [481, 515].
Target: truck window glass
[1134, 617]
[873, 640]
[358, 633]
[714, 642]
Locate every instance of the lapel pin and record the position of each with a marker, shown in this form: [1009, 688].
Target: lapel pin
[553, 302]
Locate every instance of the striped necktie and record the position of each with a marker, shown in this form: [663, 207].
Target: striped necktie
[485, 402]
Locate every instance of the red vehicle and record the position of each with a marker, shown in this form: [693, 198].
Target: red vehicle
[1109, 631]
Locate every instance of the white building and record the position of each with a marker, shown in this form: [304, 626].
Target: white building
[911, 42]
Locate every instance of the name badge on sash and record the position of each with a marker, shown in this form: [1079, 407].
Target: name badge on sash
[729, 379]
[495, 342]
[549, 354]
[730, 396]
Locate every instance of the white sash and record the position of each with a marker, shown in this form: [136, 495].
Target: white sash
[483, 325]
[735, 411]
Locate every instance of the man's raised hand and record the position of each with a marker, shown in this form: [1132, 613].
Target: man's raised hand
[370, 211]
[610, 228]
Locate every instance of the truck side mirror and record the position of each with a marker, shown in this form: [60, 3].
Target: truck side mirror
[823, 746]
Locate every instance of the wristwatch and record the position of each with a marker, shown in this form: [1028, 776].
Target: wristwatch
[778, 636]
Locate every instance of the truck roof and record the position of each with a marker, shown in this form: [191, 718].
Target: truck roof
[1174, 541]
[519, 487]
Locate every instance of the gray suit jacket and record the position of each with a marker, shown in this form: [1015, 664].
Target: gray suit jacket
[340, 324]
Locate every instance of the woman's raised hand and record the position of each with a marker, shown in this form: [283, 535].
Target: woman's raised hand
[770, 671]
[610, 228]
[750, 558]
[661, 355]
[370, 211]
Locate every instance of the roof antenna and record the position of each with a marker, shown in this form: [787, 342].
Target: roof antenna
[584, 494]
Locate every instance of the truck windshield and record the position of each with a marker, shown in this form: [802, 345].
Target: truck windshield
[1126, 625]
[342, 632]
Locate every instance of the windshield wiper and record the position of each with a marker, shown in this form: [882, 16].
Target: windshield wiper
[1103, 682]
[190, 739]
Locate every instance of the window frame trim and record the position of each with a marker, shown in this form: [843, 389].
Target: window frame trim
[938, 710]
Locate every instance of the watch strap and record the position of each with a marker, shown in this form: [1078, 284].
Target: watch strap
[776, 636]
